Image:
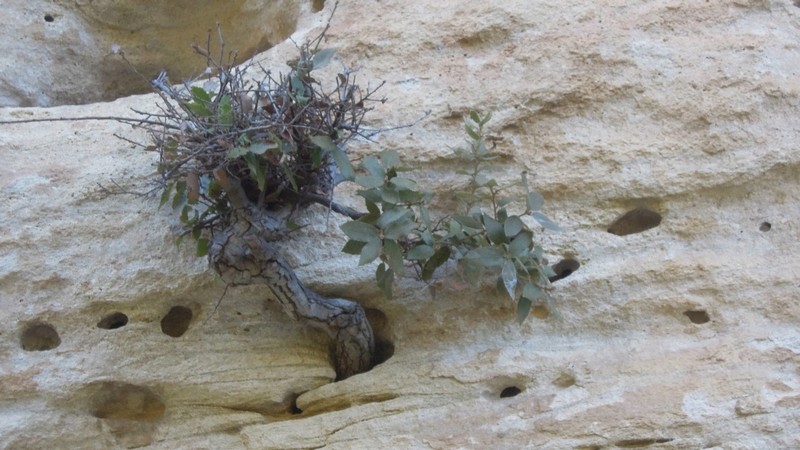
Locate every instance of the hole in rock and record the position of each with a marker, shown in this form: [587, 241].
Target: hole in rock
[635, 221]
[384, 347]
[118, 400]
[317, 5]
[697, 316]
[48, 18]
[510, 391]
[564, 268]
[39, 337]
[176, 322]
[113, 321]
[765, 226]
[293, 409]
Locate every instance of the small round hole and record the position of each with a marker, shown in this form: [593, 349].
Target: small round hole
[113, 321]
[564, 268]
[317, 5]
[39, 337]
[48, 18]
[176, 322]
[698, 317]
[510, 391]
[635, 221]
[765, 226]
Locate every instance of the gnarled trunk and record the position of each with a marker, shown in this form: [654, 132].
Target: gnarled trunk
[245, 253]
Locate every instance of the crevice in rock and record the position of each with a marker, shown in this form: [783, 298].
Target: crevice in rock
[639, 443]
[384, 345]
[177, 321]
[113, 321]
[697, 316]
[635, 221]
[292, 408]
[39, 337]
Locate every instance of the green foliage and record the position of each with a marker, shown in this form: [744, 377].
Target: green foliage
[282, 142]
[487, 237]
[281, 138]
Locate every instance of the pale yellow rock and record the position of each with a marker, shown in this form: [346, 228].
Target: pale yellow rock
[681, 336]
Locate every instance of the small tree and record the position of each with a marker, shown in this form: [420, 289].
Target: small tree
[238, 156]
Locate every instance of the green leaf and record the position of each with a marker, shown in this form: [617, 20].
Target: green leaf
[402, 183]
[369, 181]
[322, 58]
[373, 195]
[545, 221]
[513, 226]
[485, 119]
[374, 167]
[385, 279]
[390, 159]
[200, 102]
[225, 111]
[360, 231]
[258, 170]
[200, 95]
[420, 252]
[391, 215]
[494, 229]
[534, 201]
[353, 247]
[532, 292]
[370, 252]
[520, 244]
[474, 116]
[165, 194]
[487, 256]
[342, 162]
[202, 247]
[437, 259]
[472, 132]
[468, 222]
[523, 309]
[401, 228]
[180, 195]
[372, 208]
[408, 196]
[509, 276]
[390, 196]
[394, 255]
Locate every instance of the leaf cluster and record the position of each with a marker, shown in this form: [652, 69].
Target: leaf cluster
[281, 136]
[486, 237]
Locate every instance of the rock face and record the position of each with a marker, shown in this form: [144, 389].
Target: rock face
[62, 52]
[677, 331]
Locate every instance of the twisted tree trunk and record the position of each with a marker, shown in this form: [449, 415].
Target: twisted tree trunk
[245, 253]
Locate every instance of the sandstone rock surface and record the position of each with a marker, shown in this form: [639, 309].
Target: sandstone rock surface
[681, 336]
[63, 52]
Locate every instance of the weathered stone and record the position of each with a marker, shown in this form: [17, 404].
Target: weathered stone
[64, 52]
[688, 108]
